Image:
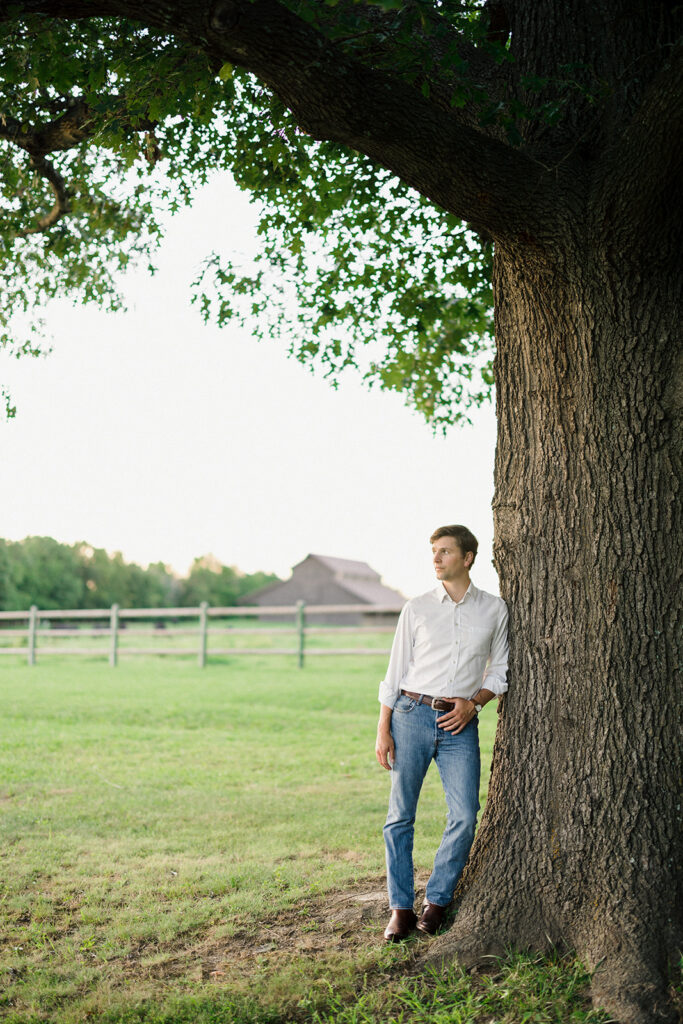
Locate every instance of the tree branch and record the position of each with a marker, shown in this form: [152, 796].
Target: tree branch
[66, 131]
[480, 179]
[77, 124]
[336, 97]
[58, 186]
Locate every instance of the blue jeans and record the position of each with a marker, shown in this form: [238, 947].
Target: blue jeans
[418, 740]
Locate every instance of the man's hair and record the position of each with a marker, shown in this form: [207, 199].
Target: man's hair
[465, 538]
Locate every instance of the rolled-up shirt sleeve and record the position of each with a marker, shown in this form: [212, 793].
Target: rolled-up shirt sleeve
[495, 673]
[399, 659]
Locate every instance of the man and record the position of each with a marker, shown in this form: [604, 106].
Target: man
[448, 660]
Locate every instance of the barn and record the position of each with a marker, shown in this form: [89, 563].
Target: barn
[325, 580]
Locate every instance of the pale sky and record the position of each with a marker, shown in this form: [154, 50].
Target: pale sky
[148, 433]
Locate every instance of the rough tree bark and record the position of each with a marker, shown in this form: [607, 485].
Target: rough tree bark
[581, 836]
[579, 842]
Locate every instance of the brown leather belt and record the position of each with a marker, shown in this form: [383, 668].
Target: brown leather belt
[437, 703]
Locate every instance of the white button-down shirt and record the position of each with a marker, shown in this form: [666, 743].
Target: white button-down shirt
[448, 648]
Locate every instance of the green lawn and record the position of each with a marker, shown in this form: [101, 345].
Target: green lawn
[187, 844]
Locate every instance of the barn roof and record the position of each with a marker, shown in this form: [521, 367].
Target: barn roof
[373, 592]
[344, 566]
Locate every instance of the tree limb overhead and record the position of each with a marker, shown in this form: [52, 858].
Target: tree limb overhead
[59, 190]
[336, 97]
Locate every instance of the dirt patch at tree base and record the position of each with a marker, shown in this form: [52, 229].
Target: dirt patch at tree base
[333, 922]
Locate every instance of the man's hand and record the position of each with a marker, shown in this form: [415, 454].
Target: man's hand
[456, 720]
[384, 748]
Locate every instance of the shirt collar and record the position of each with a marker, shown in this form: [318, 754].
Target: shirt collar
[442, 595]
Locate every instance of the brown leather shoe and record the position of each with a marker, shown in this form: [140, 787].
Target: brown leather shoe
[431, 918]
[401, 924]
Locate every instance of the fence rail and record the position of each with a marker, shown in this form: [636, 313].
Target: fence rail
[43, 630]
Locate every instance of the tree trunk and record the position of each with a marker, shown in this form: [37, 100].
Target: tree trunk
[580, 839]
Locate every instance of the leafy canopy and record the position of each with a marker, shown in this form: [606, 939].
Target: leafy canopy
[113, 126]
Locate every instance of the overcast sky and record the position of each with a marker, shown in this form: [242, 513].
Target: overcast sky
[148, 433]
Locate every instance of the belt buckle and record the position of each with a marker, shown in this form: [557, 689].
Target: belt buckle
[436, 700]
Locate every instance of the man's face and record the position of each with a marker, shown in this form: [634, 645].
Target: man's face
[449, 561]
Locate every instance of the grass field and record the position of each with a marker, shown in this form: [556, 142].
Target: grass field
[205, 845]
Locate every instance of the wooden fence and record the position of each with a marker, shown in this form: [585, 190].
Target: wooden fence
[46, 630]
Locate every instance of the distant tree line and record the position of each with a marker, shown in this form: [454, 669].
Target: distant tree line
[41, 571]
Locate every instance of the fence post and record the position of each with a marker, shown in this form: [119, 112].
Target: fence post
[32, 624]
[114, 629]
[203, 622]
[301, 623]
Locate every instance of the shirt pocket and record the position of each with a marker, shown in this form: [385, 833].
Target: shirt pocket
[478, 640]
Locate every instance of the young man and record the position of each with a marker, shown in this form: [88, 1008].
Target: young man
[448, 659]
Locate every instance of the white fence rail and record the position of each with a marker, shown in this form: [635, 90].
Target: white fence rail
[43, 630]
